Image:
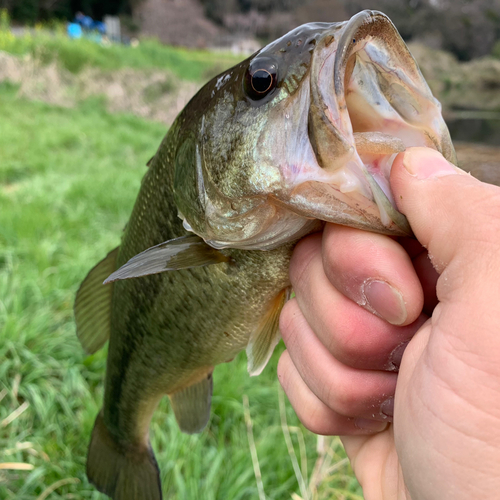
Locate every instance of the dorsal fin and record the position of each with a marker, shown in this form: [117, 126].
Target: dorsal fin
[191, 405]
[93, 305]
[264, 339]
[179, 253]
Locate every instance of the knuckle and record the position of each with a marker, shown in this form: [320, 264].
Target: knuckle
[304, 254]
[347, 353]
[343, 340]
[466, 230]
[341, 399]
[283, 370]
[289, 322]
[486, 223]
[315, 420]
[339, 246]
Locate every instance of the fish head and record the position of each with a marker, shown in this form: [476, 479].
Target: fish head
[305, 130]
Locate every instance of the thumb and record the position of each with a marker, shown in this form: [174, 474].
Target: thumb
[449, 380]
[452, 214]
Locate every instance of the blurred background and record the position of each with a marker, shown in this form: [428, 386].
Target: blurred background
[88, 89]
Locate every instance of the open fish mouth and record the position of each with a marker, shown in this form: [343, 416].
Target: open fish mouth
[314, 141]
[368, 102]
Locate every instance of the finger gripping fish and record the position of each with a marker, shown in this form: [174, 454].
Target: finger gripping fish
[302, 132]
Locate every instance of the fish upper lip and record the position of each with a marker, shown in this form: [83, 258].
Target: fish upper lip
[347, 41]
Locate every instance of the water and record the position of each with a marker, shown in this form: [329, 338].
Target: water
[475, 127]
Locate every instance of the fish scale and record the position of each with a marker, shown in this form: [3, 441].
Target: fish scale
[181, 310]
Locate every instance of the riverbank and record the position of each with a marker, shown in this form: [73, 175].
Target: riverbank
[155, 81]
[472, 85]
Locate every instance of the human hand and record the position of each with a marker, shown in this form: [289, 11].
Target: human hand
[340, 370]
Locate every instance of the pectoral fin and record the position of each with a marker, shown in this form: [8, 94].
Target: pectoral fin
[93, 305]
[264, 339]
[180, 253]
[191, 405]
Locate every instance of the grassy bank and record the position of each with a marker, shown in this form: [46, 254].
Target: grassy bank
[68, 179]
[75, 55]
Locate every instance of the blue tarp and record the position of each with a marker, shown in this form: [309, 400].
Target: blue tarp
[74, 30]
[87, 24]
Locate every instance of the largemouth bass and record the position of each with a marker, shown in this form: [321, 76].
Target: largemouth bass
[302, 132]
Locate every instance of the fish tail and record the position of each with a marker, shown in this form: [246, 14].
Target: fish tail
[122, 472]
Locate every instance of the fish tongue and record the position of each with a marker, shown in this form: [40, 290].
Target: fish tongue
[377, 143]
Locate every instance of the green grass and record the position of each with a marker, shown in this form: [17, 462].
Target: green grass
[68, 179]
[75, 55]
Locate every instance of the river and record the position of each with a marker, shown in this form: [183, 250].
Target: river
[477, 127]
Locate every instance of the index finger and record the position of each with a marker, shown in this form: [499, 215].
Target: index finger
[374, 271]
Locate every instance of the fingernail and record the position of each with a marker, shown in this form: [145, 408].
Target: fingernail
[387, 408]
[370, 425]
[385, 301]
[397, 355]
[426, 163]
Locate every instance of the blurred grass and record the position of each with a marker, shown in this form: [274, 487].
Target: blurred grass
[75, 55]
[68, 179]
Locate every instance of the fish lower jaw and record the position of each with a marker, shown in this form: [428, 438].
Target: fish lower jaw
[355, 194]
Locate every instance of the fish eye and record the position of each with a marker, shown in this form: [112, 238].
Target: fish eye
[260, 79]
